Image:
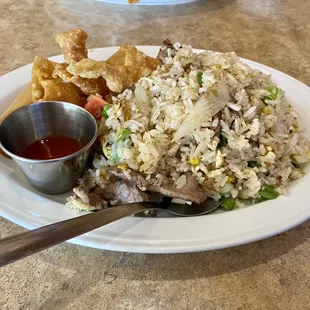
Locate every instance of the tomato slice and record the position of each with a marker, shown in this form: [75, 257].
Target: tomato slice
[94, 106]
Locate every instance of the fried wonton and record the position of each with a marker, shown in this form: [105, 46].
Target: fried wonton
[120, 71]
[45, 87]
[129, 56]
[73, 45]
[86, 86]
[23, 99]
[152, 63]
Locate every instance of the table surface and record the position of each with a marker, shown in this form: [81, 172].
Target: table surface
[269, 274]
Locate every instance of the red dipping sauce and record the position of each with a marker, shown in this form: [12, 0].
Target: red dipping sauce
[52, 147]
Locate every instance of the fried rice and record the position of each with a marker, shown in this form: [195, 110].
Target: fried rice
[250, 140]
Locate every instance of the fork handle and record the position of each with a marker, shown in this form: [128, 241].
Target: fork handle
[33, 241]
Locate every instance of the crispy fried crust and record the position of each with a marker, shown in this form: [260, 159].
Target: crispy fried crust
[86, 86]
[23, 99]
[73, 45]
[45, 87]
[120, 71]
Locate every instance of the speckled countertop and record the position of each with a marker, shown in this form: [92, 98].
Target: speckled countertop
[270, 274]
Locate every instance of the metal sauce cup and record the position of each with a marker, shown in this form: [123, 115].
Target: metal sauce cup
[38, 121]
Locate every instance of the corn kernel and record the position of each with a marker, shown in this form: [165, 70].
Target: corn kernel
[267, 111]
[218, 66]
[127, 115]
[123, 166]
[194, 161]
[231, 180]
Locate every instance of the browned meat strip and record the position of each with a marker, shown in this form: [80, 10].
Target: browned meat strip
[218, 127]
[123, 192]
[136, 178]
[168, 43]
[163, 50]
[118, 192]
[94, 200]
[192, 191]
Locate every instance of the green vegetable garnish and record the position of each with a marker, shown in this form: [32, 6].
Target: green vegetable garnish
[223, 141]
[229, 204]
[253, 164]
[268, 192]
[116, 158]
[105, 110]
[114, 153]
[123, 134]
[275, 93]
[199, 78]
[260, 199]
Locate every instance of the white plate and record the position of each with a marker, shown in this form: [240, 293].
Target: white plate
[24, 206]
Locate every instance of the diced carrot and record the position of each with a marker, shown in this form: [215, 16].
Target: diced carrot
[94, 106]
